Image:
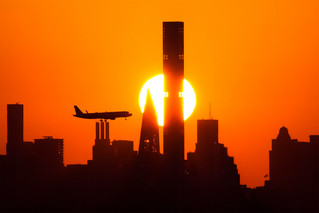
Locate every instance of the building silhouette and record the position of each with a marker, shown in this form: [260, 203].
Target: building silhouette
[15, 133]
[124, 155]
[20, 154]
[101, 151]
[49, 153]
[109, 156]
[207, 131]
[210, 164]
[149, 148]
[117, 179]
[43, 154]
[292, 163]
[213, 173]
[294, 172]
[173, 66]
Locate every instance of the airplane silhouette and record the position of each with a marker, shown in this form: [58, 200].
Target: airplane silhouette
[101, 115]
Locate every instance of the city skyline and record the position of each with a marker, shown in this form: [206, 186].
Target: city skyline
[119, 178]
[258, 71]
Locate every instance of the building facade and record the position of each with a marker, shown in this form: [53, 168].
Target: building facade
[173, 66]
[294, 165]
[149, 147]
[49, 153]
[14, 132]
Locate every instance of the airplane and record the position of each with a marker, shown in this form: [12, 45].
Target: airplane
[101, 115]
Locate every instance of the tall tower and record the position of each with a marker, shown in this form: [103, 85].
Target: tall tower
[15, 131]
[173, 65]
[214, 167]
[207, 131]
[149, 140]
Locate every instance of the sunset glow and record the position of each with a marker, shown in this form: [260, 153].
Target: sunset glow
[256, 62]
[156, 87]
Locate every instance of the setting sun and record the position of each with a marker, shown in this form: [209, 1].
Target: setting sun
[156, 87]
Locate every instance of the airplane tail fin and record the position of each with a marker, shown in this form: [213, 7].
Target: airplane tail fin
[77, 110]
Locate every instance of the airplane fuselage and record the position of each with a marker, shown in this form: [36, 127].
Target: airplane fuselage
[101, 115]
[104, 115]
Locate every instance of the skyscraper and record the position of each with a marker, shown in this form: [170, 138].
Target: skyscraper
[15, 131]
[207, 131]
[211, 163]
[173, 65]
[149, 140]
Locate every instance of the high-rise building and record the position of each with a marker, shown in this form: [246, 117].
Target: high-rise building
[49, 153]
[149, 140]
[15, 131]
[173, 66]
[294, 165]
[211, 163]
[207, 131]
[294, 173]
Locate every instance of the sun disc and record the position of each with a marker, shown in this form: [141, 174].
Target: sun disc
[156, 87]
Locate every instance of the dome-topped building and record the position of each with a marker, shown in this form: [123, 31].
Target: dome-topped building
[283, 135]
[293, 167]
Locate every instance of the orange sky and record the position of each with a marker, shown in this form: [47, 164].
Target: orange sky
[257, 62]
